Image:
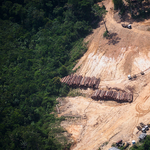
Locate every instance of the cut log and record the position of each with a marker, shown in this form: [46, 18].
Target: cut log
[74, 80]
[102, 94]
[62, 79]
[96, 94]
[94, 82]
[69, 79]
[82, 81]
[110, 94]
[130, 97]
[79, 80]
[89, 84]
[118, 96]
[98, 97]
[106, 95]
[65, 78]
[121, 99]
[97, 83]
[125, 96]
[87, 81]
[70, 83]
[93, 94]
[114, 96]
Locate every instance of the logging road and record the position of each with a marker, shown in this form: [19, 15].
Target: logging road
[124, 52]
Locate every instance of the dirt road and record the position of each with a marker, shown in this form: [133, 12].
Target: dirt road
[99, 124]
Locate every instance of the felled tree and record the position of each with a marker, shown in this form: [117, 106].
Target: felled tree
[101, 12]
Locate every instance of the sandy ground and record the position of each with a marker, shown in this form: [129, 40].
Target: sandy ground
[124, 52]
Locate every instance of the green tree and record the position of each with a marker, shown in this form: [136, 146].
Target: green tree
[40, 43]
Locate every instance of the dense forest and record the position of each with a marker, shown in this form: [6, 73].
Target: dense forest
[40, 41]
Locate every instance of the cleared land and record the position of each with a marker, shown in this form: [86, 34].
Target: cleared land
[124, 52]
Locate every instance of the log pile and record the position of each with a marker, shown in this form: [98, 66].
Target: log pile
[79, 81]
[112, 95]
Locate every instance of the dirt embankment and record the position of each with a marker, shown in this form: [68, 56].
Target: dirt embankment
[124, 52]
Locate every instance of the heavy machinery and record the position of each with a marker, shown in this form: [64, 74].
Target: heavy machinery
[142, 73]
[135, 76]
[118, 143]
[143, 130]
[142, 125]
[148, 125]
[127, 26]
[126, 145]
[129, 77]
[139, 128]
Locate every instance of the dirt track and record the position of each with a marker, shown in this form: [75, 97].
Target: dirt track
[125, 52]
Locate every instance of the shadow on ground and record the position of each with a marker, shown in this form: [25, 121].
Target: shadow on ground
[113, 39]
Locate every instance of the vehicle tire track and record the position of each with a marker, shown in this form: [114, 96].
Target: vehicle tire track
[142, 112]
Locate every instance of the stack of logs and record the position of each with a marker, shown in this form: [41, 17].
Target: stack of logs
[112, 95]
[79, 81]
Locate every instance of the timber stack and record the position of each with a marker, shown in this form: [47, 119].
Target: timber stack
[79, 81]
[112, 95]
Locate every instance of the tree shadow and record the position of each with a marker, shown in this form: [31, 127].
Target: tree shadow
[113, 38]
[140, 12]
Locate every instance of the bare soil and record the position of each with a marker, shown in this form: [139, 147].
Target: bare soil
[94, 123]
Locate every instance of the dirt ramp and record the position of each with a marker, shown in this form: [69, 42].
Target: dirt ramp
[131, 60]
